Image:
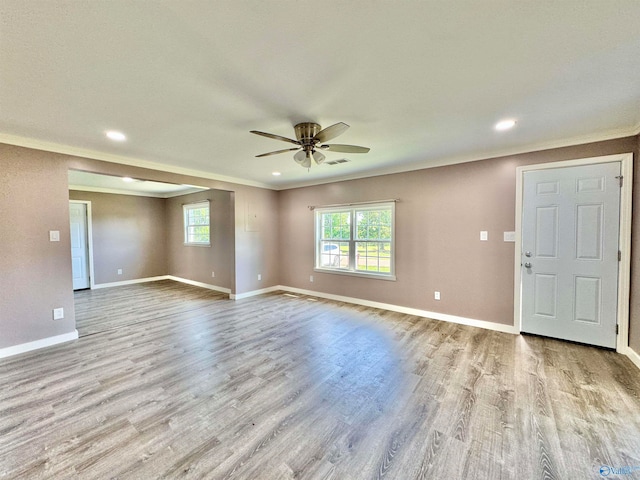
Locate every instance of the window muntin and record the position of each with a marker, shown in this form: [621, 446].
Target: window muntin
[356, 240]
[197, 230]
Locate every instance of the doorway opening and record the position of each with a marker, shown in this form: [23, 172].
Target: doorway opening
[81, 244]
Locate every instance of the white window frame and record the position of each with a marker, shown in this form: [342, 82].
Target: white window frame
[185, 214]
[351, 269]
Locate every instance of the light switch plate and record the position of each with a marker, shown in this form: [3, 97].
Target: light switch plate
[54, 235]
[509, 236]
[484, 235]
[58, 313]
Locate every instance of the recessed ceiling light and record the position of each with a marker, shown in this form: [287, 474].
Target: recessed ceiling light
[117, 136]
[276, 174]
[505, 124]
[128, 179]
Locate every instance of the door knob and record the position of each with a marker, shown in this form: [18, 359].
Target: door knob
[527, 254]
[527, 265]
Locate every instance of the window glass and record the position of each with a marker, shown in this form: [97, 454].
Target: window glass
[356, 239]
[196, 224]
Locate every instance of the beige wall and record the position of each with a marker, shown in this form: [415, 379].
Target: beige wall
[440, 214]
[257, 239]
[128, 234]
[255, 251]
[35, 274]
[438, 222]
[197, 263]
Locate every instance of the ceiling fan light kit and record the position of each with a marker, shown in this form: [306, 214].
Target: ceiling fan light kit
[310, 138]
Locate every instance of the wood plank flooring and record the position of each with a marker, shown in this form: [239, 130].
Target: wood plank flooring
[173, 381]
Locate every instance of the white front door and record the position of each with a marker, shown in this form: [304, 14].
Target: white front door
[79, 245]
[570, 238]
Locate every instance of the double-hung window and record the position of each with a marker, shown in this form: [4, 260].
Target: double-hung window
[356, 240]
[196, 224]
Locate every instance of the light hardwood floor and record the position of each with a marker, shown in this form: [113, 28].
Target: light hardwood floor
[173, 381]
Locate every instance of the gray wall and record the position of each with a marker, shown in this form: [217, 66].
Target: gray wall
[438, 222]
[257, 239]
[255, 251]
[129, 233]
[35, 274]
[195, 262]
[440, 215]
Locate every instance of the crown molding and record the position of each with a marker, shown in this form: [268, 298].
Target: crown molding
[402, 168]
[123, 160]
[116, 191]
[487, 155]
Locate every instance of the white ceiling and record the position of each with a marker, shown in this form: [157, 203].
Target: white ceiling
[420, 82]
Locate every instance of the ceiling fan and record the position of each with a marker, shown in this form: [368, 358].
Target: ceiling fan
[310, 139]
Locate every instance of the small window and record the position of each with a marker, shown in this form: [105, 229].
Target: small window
[356, 240]
[196, 224]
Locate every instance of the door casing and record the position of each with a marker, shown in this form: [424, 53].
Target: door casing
[624, 271]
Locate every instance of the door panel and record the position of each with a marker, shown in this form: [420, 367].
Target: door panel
[547, 231]
[589, 232]
[546, 295]
[587, 299]
[570, 230]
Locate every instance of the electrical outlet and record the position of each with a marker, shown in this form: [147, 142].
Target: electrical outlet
[259, 276]
[58, 313]
[436, 295]
[311, 278]
[119, 271]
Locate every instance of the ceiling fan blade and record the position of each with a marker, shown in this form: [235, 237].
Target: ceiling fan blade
[334, 147]
[276, 137]
[330, 132]
[277, 152]
[318, 157]
[303, 158]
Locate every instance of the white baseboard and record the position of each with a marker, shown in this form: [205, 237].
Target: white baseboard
[200, 284]
[386, 306]
[129, 282]
[253, 293]
[42, 343]
[633, 356]
[163, 277]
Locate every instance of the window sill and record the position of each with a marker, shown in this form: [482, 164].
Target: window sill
[376, 276]
[197, 244]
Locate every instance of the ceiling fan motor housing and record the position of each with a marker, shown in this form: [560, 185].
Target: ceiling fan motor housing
[306, 131]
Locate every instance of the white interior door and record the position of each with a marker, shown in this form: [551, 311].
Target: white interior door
[79, 245]
[570, 238]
